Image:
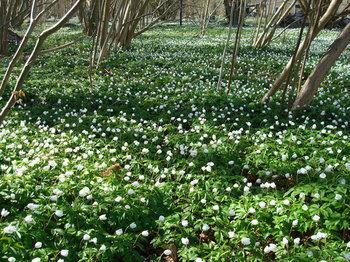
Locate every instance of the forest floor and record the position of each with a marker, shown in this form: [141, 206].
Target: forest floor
[151, 162]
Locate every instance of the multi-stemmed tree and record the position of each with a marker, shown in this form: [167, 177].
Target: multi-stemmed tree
[12, 14]
[115, 23]
[318, 13]
[35, 16]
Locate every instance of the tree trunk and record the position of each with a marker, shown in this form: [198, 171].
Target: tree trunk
[181, 11]
[225, 51]
[327, 16]
[228, 4]
[3, 28]
[236, 44]
[313, 82]
[16, 93]
[205, 18]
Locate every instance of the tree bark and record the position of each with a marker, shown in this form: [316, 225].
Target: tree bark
[225, 51]
[205, 18]
[236, 44]
[33, 22]
[181, 11]
[16, 93]
[228, 4]
[327, 16]
[3, 28]
[313, 82]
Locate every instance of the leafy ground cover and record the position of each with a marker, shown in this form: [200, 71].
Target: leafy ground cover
[151, 162]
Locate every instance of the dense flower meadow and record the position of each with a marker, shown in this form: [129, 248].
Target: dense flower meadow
[150, 162]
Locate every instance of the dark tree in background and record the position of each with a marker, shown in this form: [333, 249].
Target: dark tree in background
[12, 15]
[181, 11]
[228, 5]
[3, 27]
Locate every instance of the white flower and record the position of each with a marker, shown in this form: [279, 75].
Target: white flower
[254, 222]
[194, 182]
[198, 259]
[86, 237]
[231, 212]
[64, 253]
[32, 206]
[38, 245]
[215, 207]
[318, 236]
[28, 219]
[245, 241]
[185, 241]
[285, 241]
[119, 232]
[262, 204]
[347, 166]
[85, 191]
[270, 248]
[103, 248]
[205, 227]
[167, 252]
[251, 210]
[338, 197]
[316, 218]
[4, 213]
[184, 223]
[133, 225]
[94, 240]
[37, 259]
[316, 195]
[296, 241]
[59, 213]
[102, 217]
[231, 234]
[323, 175]
[11, 259]
[118, 199]
[145, 233]
[144, 151]
[161, 218]
[295, 222]
[286, 202]
[302, 171]
[10, 229]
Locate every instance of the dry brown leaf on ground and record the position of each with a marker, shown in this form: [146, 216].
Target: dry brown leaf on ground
[173, 257]
[109, 171]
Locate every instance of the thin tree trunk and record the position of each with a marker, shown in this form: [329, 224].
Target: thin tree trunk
[181, 11]
[4, 27]
[205, 17]
[237, 44]
[316, 18]
[33, 22]
[15, 95]
[313, 82]
[225, 50]
[327, 16]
